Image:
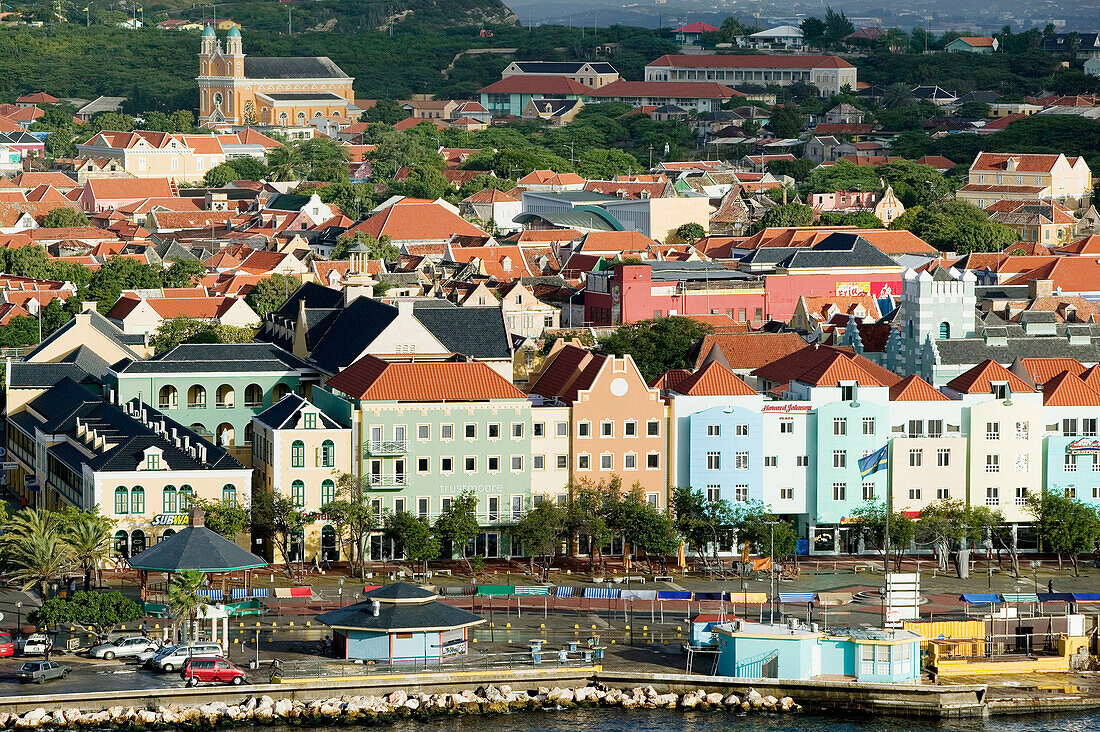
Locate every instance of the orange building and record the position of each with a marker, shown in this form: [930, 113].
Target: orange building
[236, 90]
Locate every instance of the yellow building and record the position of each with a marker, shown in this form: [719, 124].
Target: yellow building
[997, 177]
[234, 90]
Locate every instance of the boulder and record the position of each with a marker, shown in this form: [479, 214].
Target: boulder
[714, 698]
[731, 700]
[397, 697]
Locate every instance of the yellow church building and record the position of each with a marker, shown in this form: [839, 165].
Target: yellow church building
[236, 90]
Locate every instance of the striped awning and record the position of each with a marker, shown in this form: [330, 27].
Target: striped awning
[796, 597]
[564, 592]
[749, 598]
[1020, 597]
[532, 590]
[602, 593]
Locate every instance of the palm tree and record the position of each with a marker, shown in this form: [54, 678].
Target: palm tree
[89, 537]
[183, 596]
[897, 96]
[284, 161]
[38, 558]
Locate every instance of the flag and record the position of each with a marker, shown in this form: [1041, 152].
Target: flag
[876, 461]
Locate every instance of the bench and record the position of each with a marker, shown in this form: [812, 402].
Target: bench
[664, 578]
[443, 572]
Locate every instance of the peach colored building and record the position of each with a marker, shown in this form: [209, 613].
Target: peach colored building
[617, 422]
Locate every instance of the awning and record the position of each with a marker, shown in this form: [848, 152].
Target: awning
[1020, 597]
[980, 598]
[563, 591]
[673, 595]
[602, 593]
[639, 594]
[495, 590]
[831, 599]
[532, 590]
[1086, 596]
[748, 598]
[708, 595]
[796, 597]
[1055, 597]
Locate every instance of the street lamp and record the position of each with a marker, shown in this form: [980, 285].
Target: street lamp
[771, 566]
[1035, 564]
[18, 616]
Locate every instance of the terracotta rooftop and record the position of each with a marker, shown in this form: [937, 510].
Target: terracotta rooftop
[744, 351]
[915, 389]
[714, 379]
[372, 379]
[1067, 390]
[980, 379]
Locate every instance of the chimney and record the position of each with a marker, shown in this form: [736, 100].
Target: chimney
[196, 517]
[1039, 288]
[375, 607]
[88, 306]
[404, 307]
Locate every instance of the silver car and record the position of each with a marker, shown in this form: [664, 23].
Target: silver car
[145, 657]
[126, 647]
[177, 657]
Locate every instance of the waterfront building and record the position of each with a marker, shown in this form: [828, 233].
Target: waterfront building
[1071, 406]
[299, 451]
[830, 74]
[427, 432]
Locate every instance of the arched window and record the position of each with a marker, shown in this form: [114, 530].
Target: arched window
[137, 500]
[225, 434]
[280, 391]
[329, 547]
[137, 542]
[298, 454]
[298, 493]
[167, 533]
[253, 396]
[328, 491]
[218, 100]
[301, 118]
[122, 500]
[283, 120]
[122, 543]
[945, 330]
[170, 504]
[248, 431]
[912, 329]
[328, 454]
[225, 396]
[196, 397]
[187, 494]
[229, 494]
[169, 397]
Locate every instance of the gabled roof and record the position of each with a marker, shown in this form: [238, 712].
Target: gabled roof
[915, 389]
[1041, 370]
[285, 413]
[714, 379]
[669, 379]
[411, 219]
[1067, 390]
[696, 27]
[979, 379]
[1025, 162]
[301, 67]
[372, 379]
[820, 365]
[833, 369]
[672, 89]
[536, 84]
[741, 351]
[129, 188]
[1069, 274]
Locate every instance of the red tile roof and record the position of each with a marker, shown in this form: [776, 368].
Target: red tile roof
[797, 61]
[1067, 390]
[820, 365]
[834, 368]
[662, 89]
[1089, 245]
[491, 195]
[412, 219]
[1091, 377]
[977, 41]
[979, 379]
[1042, 370]
[915, 389]
[33, 179]
[528, 84]
[1025, 162]
[697, 27]
[1071, 274]
[669, 379]
[373, 379]
[549, 177]
[742, 351]
[129, 188]
[714, 379]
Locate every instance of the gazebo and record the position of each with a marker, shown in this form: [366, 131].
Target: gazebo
[400, 623]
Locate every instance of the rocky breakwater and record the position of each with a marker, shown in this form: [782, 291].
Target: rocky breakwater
[380, 709]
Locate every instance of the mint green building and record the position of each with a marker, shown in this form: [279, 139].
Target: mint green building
[214, 388]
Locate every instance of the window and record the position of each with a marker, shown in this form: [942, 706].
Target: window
[916, 428]
[992, 430]
[187, 494]
[942, 494]
[1069, 427]
[561, 429]
[840, 459]
[1021, 430]
[538, 429]
[713, 493]
[935, 428]
[786, 494]
[423, 465]
[802, 460]
[169, 398]
[493, 464]
[517, 462]
[562, 462]
[786, 428]
[630, 461]
[1070, 492]
[992, 463]
[470, 430]
[298, 493]
[741, 430]
[652, 461]
[771, 461]
[741, 493]
[1096, 463]
[1021, 462]
[914, 494]
[309, 420]
[298, 454]
[630, 428]
[840, 426]
[992, 496]
[494, 431]
[1021, 496]
[168, 499]
[446, 465]
[607, 429]
[470, 464]
[868, 425]
[122, 500]
[945, 330]
[839, 491]
[152, 461]
[916, 458]
[714, 430]
[1000, 391]
[868, 490]
[584, 429]
[399, 505]
[943, 457]
[328, 454]
[1069, 463]
[493, 509]
[847, 393]
[446, 431]
[137, 499]
[1088, 427]
[538, 462]
[328, 491]
[196, 397]
[607, 462]
[714, 461]
[652, 428]
[584, 462]
[423, 432]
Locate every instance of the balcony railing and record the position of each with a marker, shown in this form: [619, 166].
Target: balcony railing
[388, 482]
[224, 405]
[391, 447]
[196, 405]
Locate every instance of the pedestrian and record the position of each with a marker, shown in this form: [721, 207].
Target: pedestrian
[1050, 586]
[144, 630]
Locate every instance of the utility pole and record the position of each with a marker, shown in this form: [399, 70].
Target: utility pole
[570, 146]
[289, 28]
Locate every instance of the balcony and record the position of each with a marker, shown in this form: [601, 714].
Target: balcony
[196, 405]
[224, 405]
[378, 449]
[388, 482]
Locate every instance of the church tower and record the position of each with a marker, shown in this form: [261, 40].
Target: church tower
[234, 54]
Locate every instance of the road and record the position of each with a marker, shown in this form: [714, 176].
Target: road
[95, 675]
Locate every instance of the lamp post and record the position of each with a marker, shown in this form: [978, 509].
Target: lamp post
[771, 567]
[18, 616]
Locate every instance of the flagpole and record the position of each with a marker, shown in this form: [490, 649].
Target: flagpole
[889, 490]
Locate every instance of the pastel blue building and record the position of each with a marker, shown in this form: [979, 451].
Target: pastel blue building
[400, 623]
[727, 459]
[777, 651]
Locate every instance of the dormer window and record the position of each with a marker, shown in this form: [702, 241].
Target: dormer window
[848, 391]
[310, 420]
[1000, 389]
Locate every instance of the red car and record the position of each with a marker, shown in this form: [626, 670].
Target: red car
[7, 645]
[211, 669]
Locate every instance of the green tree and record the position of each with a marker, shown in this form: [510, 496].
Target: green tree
[1064, 525]
[755, 525]
[322, 159]
[690, 232]
[540, 531]
[797, 169]
[870, 521]
[354, 199]
[947, 523]
[174, 331]
[35, 547]
[89, 535]
[183, 273]
[284, 162]
[226, 518]
[657, 345]
[220, 175]
[350, 513]
[386, 111]
[956, 226]
[813, 31]
[184, 600]
[898, 96]
[587, 513]
[414, 537]
[269, 294]
[279, 517]
[837, 26]
[702, 523]
[646, 529]
[791, 214]
[100, 612]
[862, 219]
[973, 110]
[605, 164]
[786, 122]
[458, 524]
[64, 217]
[118, 274]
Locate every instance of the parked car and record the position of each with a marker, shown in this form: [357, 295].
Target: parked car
[211, 669]
[180, 655]
[145, 657]
[7, 645]
[125, 647]
[35, 644]
[39, 672]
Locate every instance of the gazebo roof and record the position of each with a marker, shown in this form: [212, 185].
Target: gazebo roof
[196, 547]
[401, 592]
[404, 617]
